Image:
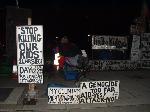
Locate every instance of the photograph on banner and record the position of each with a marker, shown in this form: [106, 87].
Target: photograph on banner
[135, 42]
[99, 91]
[109, 42]
[29, 45]
[63, 95]
[113, 64]
[30, 74]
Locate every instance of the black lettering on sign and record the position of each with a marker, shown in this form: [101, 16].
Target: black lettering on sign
[29, 38]
[94, 100]
[30, 69]
[109, 99]
[108, 89]
[30, 61]
[84, 85]
[64, 95]
[102, 100]
[22, 30]
[82, 100]
[29, 50]
[22, 54]
[99, 91]
[29, 30]
[30, 74]
[96, 90]
[88, 94]
[28, 46]
[92, 85]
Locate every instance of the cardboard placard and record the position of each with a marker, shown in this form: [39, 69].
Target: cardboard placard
[29, 45]
[99, 91]
[30, 53]
[63, 95]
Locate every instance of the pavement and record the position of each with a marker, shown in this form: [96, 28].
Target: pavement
[134, 94]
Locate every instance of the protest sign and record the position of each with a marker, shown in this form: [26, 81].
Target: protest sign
[30, 53]
[29, 45]
[63, 95]
[30, 74]
[99, 91]
[109, 42]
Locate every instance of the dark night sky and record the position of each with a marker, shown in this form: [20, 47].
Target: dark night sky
[77, 18]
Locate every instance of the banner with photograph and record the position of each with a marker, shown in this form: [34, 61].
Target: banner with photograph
[100, 65]
[109, 42]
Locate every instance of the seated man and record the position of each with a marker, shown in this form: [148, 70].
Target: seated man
[69, 52]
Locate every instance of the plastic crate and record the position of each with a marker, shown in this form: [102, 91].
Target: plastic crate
[70, 75]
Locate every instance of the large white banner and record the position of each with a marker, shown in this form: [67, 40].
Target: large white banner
[63, 95]
[99, 91]
[30, 53]
[29, 45]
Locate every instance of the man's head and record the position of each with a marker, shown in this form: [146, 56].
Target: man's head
[64, 40]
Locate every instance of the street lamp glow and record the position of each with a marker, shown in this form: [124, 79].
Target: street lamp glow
[89, 35]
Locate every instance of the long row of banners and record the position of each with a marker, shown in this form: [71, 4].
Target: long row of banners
[30, 53]
[89, 92]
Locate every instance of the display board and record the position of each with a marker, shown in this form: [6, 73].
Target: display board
[99, 65]
[99, 91]
[109, 42]
[30, 53]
